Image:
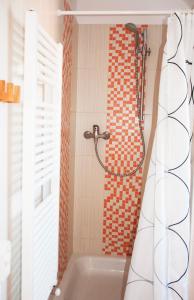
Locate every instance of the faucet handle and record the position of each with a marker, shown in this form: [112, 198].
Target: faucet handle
[106, 135]
[96, 134]
[88, 135]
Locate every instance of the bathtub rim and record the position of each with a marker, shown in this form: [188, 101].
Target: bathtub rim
[71, 267]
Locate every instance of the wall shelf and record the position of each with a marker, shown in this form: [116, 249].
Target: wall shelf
[9, 92]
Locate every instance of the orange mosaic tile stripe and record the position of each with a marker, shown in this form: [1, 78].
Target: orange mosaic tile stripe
[124, 148]
[65, 141]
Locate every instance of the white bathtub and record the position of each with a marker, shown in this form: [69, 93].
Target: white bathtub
[94, 278]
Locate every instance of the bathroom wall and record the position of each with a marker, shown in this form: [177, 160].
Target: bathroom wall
[13, 60]
[65, 143]
[123, 5]
[89, 106]
[61, 30]
[124, 150]
[46, 11]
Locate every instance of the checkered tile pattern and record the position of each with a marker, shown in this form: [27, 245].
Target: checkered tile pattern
[65, 136]
[124, 148]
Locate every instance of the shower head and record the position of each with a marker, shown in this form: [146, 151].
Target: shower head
[133, 28]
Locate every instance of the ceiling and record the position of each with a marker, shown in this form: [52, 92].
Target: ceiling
[128, 5]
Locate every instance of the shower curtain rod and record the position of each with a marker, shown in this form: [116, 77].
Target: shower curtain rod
[114, 13]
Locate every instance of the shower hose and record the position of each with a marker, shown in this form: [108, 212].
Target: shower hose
[131, 173]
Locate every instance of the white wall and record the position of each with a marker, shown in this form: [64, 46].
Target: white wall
[73, 4]
[128, 5]
[46, 11]
[131, 4]
[10, 11]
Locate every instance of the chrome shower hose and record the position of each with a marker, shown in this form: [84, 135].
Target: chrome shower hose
[131, 173]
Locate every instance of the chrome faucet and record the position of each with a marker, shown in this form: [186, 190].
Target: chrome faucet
[96, 134]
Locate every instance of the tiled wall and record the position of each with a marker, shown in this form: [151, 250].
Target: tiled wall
[65, 142]
[89, 106]
[124, 149]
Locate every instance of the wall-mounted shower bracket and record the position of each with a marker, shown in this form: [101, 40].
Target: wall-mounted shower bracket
[144, 51]
[148, 51]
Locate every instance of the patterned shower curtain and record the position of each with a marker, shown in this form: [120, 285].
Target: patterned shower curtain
[160, 260]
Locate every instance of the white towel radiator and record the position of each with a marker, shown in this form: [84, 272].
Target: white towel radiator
[41, 161]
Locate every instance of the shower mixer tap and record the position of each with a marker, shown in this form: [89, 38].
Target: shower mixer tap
[96, 134]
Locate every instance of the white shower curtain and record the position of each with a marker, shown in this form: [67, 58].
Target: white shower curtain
[160, 260]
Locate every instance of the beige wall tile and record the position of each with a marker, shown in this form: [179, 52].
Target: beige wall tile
[147, 129]
[88, 225]
[154, 42]
[72, 132]
[88, 246]
[90, 177]
[74, 67]
[149, 91]
[89, 95]
[89, 219]
[93, 45]
[88, 189]
[92, 89]
[90, 108]
[84, 122]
